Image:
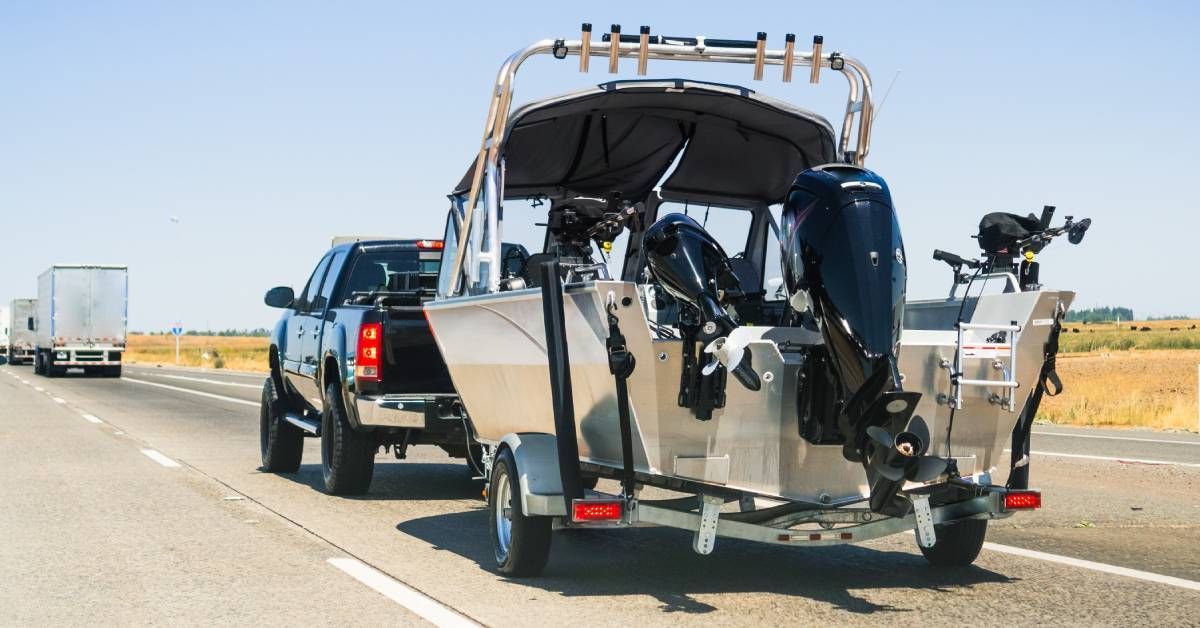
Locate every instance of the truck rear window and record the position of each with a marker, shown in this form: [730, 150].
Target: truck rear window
[392, 271]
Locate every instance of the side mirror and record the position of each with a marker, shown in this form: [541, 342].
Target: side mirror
[1075, 233]
[281, 297]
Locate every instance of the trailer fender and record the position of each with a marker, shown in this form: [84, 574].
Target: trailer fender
[536, 456]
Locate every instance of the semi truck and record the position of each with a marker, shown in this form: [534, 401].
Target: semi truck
[4, 324]
[20, 322]
[81, 318]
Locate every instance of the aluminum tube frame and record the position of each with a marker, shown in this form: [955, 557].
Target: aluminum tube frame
[859, 101]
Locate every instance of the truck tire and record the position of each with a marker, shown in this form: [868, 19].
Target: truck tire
[521, 542]
[347, 456]
[37, 363]
[280, 442]
[958, 544]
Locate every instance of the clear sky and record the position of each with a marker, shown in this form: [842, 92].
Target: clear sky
[268, 127]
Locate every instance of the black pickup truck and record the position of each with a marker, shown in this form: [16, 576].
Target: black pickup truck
[354, 363]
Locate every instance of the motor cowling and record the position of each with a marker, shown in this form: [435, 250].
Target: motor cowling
[692, 267]
[843, 254]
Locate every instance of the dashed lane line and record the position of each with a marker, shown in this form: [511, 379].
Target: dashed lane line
[432, 610]
[160, 458]
[90, 418]
[189, 391]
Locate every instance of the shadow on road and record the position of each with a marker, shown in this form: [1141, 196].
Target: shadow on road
[404, 481]
[660, 563]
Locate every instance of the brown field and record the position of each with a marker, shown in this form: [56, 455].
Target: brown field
[228, 352]
[1130, 380]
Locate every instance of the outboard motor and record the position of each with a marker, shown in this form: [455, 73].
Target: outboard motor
[844, 266]
[691, 265]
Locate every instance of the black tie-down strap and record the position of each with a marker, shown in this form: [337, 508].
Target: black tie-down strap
[621, 364]
[1048, 384]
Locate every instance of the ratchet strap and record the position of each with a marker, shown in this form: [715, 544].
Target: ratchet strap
[621, 364]
[1018, 476]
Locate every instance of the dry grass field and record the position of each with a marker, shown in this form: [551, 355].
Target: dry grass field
[1113, 376]
[228, 352]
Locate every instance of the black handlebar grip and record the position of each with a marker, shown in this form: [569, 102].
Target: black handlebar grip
[943, 256]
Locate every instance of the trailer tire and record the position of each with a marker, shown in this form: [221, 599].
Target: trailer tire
[347, 456]
[521, 542]
[280, 443]
[958, 544]
[37, 363]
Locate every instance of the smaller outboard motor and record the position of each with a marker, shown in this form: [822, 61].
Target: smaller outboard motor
[691, 265]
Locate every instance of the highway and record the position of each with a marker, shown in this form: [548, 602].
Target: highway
[139, 500]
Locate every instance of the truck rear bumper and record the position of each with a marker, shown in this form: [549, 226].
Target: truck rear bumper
[86, 356]
[408, 411]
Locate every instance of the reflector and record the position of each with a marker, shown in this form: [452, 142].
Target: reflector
[1022, 500]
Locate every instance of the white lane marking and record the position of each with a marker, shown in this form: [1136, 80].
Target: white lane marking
[1140, 440]
[209, 381]
[1113, 459]
[39, 389]
[160, 458]
[432, 610]
[1094, 566]
[192, 392]
[59, 400]
[223, 372]
[90, 418]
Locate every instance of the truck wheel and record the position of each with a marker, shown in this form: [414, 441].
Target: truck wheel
[347, 456]
[521, 542]
[280, 442]
[958, 544]
[37, 363]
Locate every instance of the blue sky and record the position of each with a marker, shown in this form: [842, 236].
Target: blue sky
[268, 127]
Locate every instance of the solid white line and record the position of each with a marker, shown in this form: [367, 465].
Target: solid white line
[91, 418]
[160, 459]
[1113, 459]
[192, 392]
[147, 371]
[1140, 440]
[208, 381]
[1094, 566]
[432, 610]
[59, 400]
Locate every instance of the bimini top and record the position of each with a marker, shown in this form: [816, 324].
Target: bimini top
[624, 135]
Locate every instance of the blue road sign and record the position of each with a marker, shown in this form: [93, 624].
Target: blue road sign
[177, 330]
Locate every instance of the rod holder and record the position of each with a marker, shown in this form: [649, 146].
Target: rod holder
[614, 48]
[815, 76]
[643, 50]
[585, 47]
[789, 52]
[760, 52]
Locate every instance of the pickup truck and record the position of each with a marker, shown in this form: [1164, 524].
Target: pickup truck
[354, 363]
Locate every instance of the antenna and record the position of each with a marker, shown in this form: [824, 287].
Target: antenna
[875, 117]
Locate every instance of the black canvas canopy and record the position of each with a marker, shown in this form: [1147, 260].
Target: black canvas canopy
[623, 136]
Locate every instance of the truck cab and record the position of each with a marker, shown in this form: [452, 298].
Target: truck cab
[354, 363]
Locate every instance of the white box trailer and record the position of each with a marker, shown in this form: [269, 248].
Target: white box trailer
[20, 320]
[81, 317]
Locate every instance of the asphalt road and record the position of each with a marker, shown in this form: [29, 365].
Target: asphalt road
[94, 528]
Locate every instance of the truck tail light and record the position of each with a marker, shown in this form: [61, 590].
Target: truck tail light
[430, 245]
[584, 510]
[370, 345]
[1022, 500]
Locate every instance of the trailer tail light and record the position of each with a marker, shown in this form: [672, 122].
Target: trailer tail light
[586, 510]
[370, 345]
[1022, 500]
[430, 245]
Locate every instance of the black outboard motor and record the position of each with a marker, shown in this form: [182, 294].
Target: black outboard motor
[844, 261]
[691, 265]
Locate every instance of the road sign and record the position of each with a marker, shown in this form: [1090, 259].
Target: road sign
[177, 330]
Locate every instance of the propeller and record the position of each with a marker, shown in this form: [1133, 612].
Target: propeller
[902, 457]
[730, 352]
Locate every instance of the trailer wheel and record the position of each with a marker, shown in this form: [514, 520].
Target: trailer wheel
[347, 456]
[280, 442]
[521, 542]
[37, 363]
[958, 544]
